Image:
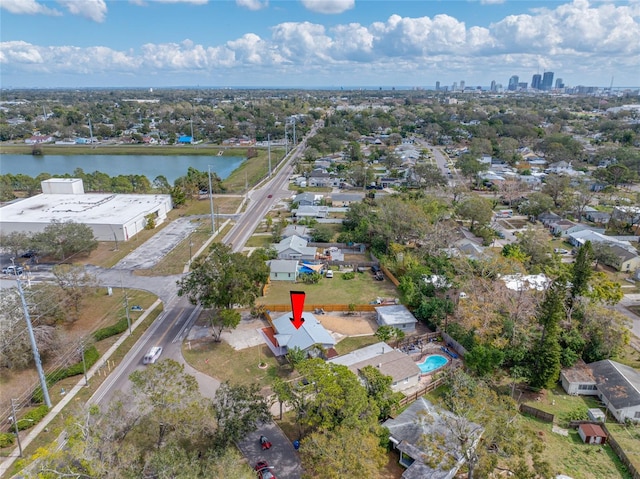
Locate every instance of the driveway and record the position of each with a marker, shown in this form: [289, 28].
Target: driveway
[282, 456]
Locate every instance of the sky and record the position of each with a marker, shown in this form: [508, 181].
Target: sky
[316, 43]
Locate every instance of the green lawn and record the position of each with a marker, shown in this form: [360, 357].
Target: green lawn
[355, 342]
[222, 362]
[568, 454]
[360, 290]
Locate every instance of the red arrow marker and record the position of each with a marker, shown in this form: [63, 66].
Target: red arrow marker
[297, 305]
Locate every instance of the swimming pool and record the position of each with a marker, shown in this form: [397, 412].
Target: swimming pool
[431, 363]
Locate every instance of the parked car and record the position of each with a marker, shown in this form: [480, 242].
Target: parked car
[29, 254]
[328, 274]
[375, 269]
[13, 270]
[264, 470]
[153, 355]
[379, 276]
[136, 307]
[561, 251]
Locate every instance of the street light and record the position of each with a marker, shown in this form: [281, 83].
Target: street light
[213, 224]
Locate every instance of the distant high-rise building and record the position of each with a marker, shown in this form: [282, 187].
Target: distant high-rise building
[522, 85]
[462, 85]
[536, 81]
[513, 83]
[437, 86]
[547, 81]
[493, 87]
[559, 83]
[454, 87]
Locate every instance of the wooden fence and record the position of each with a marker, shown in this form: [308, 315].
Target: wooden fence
[325, 307]
[633, 471]
[543, 416]
[390, 275]
[421, 392]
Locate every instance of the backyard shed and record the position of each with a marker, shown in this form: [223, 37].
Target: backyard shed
[592, 434]
[596, 414]
[396, 316]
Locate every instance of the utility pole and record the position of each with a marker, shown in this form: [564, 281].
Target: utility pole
[294, 132]
[15, 425]
[126, 305]
[34, 346]
[84, 363]
[269, 150]
[213, 225]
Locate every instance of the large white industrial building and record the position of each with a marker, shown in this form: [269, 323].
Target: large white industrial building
[112, 217]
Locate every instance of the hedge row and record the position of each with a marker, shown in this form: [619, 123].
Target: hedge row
[104, 333]
[7, 439]
[91, 355]
[33, 417]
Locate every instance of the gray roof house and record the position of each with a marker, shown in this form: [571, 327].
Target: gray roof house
[310, 333]
[312, 212]
[618, 388]
[412, 431]
[391, 362]
[616, 385]
[307, 199]
[345, 199]
[396, 316]
[295, 247]
[283, 270]
[600, 217]
[297, 230]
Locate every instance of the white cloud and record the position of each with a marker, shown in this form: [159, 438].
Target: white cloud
[253, 4]
[27, 7]
[95, 10]
[492, 2]
[328, 6]
[576, 40]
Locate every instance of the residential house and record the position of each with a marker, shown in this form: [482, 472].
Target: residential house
[599, 217]
[297, 230]
[323, 180]
[390, 182]
[625, 260]
[578, 380]
[389, 361]
[470, 248]
[559, 227]
[560, 167]
[283, 270]
[296, 248]
[311, 212]
[626, 214]
[38, 139]
[345, 199]
[592, 434]
[617, 386]
[300, 182]
[283, 335]
[579, 238]
[397, 316]
[423, 427]
[308, 199]
[547, 218]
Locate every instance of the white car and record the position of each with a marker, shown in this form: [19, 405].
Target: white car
[329, 274]
[152, 356]
[561, 251]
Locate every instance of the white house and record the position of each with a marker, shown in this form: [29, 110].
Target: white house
[616, 385]
[295, 247]
[284, 336]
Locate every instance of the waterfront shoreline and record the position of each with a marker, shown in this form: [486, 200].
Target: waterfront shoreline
[100, 149]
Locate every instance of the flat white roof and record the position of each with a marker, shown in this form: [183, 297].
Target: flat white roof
[90, 208]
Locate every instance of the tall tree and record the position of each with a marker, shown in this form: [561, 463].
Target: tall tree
[237, 411]
[340, 453]
[65, 239]
[546, 353]
[476, 209]
[75, 283]
[222, 279]
[581, 272]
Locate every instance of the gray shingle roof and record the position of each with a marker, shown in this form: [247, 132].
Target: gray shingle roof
[620, 384]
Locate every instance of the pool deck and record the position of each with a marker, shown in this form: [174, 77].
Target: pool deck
[428, 349]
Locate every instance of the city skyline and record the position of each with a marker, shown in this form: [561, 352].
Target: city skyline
[316, 43]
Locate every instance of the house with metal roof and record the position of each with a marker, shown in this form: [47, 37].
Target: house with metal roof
[427, 442]
[404, 372]
[396, 316]
[295, 247]
[284, 336]
[283, 270]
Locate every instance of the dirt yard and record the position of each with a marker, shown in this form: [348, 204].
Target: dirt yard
[356, 325]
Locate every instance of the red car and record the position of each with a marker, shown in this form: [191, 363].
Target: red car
[264, 470]
[270, 196]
